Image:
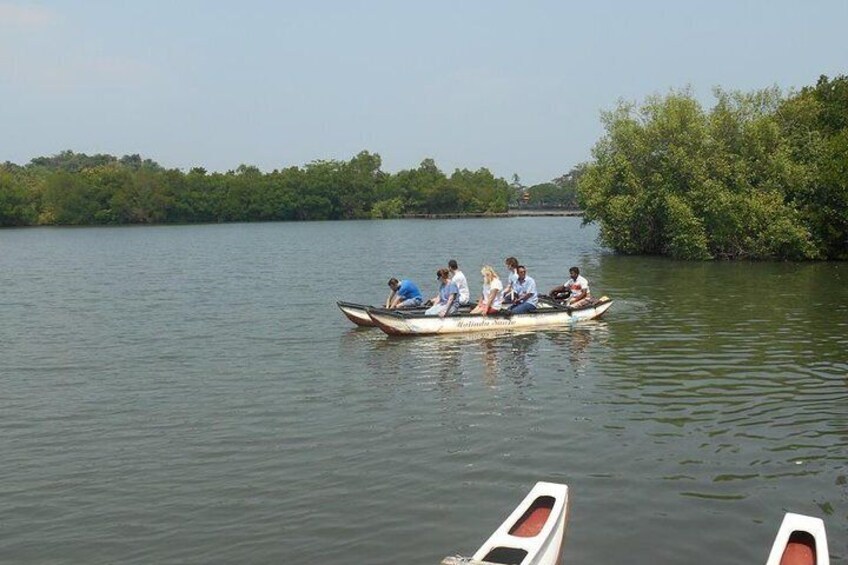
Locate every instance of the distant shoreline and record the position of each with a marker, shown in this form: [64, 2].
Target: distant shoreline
[454, 216]
[511, 214]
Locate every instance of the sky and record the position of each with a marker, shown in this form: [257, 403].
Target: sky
[516, 87]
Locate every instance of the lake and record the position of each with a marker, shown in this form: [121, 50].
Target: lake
[192, 394]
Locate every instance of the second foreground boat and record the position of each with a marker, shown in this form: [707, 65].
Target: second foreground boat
[395, 322]
[534, 534]
[801, 540]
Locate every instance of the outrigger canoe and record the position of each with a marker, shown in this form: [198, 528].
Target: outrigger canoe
[534, 534]
[358, 313]
[548, 314]
[801, 540]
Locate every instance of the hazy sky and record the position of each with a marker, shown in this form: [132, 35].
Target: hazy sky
[516, 87]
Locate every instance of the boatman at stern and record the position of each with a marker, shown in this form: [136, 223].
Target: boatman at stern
[405, 294]
[526, 297]
[579, 288]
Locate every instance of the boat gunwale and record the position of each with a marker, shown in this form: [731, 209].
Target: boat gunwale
[503, 314]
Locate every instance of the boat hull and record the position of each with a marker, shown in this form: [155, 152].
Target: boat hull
[547, 316]
[533, 534]
[801, 540]
[356, 313]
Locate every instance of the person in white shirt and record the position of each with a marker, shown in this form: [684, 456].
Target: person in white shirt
[492, 298]
[575, 289]
[458, 278]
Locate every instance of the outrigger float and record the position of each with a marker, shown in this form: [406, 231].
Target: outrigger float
[549, 314]
[358, 313]
[534, 534]
[801, 540]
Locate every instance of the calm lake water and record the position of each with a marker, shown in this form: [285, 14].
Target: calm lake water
[191, 394]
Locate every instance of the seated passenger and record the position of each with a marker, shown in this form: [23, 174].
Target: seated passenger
[405, 294]
[447, 302]
[526, 297]
[508, 292]
[578, 286]
[458, 277]
[490, 301]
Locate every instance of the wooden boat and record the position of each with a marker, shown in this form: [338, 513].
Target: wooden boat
[534, 534]
[549, 314]
[801, 540]
[358, 313]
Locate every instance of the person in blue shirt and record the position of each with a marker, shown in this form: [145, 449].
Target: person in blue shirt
[447, 302]
[405, 294]
[526, 297]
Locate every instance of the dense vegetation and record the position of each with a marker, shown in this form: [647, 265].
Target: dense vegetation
[77, 189]
[760, 175]
[558, 193]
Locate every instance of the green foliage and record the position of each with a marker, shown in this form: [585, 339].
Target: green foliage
[757, 176]
[77, 189]
[816, 123]
[391, 208]
[17, 203]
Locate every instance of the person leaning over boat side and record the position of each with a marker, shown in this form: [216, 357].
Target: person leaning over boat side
[578, 286]
[526, 297]
[509, 292]
[405, 294]
[490, 301]
[447, 302]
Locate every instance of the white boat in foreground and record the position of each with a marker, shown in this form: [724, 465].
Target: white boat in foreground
[801, 540]
[534, 534]
[549, 314]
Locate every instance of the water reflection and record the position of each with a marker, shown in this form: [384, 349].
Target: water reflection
[576, 341]
[492, 359]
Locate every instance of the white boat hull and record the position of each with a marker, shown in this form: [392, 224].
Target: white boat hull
[399, 323]
[801, 540]
[356, 313]
[534, 534]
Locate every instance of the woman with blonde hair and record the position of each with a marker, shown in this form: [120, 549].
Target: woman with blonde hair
[492, 298]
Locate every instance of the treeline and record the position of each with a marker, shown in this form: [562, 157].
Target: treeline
[760, 175]
[77, 189]
[558, 193]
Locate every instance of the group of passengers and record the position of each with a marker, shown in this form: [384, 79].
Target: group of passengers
[519, 295]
